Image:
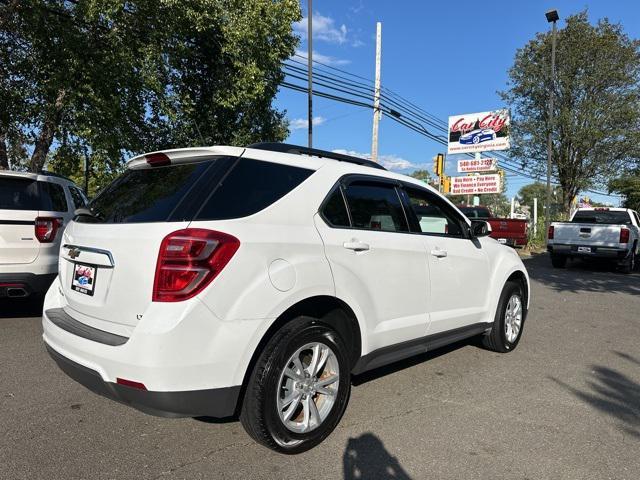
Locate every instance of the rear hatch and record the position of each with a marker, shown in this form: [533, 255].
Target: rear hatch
[19, 207]
[108, 258]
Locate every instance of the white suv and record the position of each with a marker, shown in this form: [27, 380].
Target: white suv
[34, 208]
[255, 281]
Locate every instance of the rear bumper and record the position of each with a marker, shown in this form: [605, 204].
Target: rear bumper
[216, 402]
[612, 253]
[17, 285]
[512, 241]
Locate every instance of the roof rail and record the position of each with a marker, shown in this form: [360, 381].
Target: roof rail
[298, 150]
[53, 174]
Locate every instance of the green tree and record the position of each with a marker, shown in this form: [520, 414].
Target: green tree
[629, 186]
[596, 127]
[423, 175]
[538, 190]
[108, 79]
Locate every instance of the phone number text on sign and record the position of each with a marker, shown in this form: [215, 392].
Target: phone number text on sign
[477, 165]
[475, 184]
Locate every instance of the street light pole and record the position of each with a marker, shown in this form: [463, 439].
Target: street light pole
[552, 17]
[310, 69]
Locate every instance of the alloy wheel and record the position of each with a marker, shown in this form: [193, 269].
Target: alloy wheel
[513, 318]
[308, 387]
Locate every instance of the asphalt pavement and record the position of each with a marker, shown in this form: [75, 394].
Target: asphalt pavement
[564, 405]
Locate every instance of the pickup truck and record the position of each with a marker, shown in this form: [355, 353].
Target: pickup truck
[609, 233]
[509, 231]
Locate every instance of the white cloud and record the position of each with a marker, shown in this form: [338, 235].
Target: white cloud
[300, 123]
[326, 59]
[324, 28]
[390, 162]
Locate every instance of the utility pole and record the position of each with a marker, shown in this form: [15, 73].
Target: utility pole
[377, 113]
[552, 17]
[310, 69]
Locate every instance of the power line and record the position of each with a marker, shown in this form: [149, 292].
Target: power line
[408, 109]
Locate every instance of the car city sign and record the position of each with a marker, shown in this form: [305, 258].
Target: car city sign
[475, 184]
[479, 132]
[470, 165]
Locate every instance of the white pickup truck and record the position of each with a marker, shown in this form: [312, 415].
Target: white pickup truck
[610, 233]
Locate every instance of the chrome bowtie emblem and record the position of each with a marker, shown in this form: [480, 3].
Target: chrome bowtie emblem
[74, 252]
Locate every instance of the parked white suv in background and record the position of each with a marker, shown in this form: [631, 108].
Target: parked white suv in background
[255, 281]
[34, 208]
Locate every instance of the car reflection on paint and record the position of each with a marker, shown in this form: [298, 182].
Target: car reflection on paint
[478, 136]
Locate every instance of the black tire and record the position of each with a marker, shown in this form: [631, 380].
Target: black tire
[496, 339]
[631, 264]
[259, 413]
[558, 261]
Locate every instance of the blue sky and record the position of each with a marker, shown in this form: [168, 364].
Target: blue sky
[448, 58]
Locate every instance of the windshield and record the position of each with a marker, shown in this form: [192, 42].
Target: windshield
[475, 212]
[606, 217]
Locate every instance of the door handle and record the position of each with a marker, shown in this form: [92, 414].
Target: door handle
[356, 246]
[439, 253]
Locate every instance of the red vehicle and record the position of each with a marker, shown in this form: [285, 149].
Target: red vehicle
[510, 231]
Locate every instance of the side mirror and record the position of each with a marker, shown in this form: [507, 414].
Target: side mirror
[480, 228]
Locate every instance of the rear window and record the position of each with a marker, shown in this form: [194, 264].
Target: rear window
[19, 194]
[144, 195]
[216, 189]
[606, 217]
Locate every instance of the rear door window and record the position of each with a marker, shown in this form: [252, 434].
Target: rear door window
[249, 187]
[334, 210]
[375, 206]
[53, 197]
[19, 194]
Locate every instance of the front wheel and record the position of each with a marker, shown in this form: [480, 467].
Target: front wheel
[509, 320]
[299, 387]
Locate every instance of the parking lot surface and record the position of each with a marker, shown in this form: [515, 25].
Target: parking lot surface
[564, 405]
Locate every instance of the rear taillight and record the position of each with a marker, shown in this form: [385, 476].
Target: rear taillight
[550, 232]
[624, 235]
[189, 260]
[46, 228]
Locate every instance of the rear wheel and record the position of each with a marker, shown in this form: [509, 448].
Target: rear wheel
[509, 320]
[558, 261]
[630, 265]
[299, 387]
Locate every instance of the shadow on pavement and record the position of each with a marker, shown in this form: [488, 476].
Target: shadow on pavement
[581, 276]
[365, 458]
[613, 393]
[21, 308]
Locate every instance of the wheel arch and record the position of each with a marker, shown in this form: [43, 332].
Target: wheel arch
[328, 310]
[520, 277]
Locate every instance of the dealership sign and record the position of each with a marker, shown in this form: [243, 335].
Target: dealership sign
[476, 184]
[470, 165]
[479, 132]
